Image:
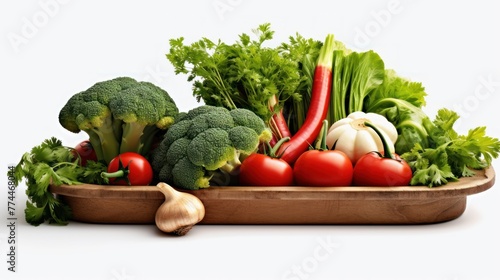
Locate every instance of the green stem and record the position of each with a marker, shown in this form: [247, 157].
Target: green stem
[385, 144]
[321, 139]
[274, 150]
[131, 137]
[116, 174]
[324, 133]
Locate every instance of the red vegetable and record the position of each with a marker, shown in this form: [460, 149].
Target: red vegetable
[375, 169]
[266, 170]
[323, 167]
[85, 152]
[263, 170]
[318, 108]
[277, 123]
[129, 168]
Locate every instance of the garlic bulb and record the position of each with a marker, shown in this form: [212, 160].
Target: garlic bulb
[179, 212]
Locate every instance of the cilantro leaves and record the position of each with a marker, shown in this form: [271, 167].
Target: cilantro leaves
[51, 163]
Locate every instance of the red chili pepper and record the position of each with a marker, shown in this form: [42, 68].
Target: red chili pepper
[375, 169]
[318, 108]
[277, 123]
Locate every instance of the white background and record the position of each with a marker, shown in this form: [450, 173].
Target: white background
[52, 49]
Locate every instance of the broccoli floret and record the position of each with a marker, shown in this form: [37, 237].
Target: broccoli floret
[205, 146]
[214, 119]
[171, 165]
[188, 175]
[244, 139]
[89, 111]
[145, 111]
[177, 150]
[212, 149]
[177, 131]
[246, 118]
[119, 115]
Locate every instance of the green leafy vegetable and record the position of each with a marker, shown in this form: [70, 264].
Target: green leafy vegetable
[400, 101]
[51, 163]
[355, 76]
[246, 74]
[450, 156]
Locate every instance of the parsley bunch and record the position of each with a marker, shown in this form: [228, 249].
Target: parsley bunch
[246, 74]
[51, 163]
[450, 156]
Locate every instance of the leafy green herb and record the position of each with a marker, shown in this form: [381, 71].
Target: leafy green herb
[51, 163]
[450, 156]
[245, 74]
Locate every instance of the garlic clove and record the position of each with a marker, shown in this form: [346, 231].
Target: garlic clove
[179, 212]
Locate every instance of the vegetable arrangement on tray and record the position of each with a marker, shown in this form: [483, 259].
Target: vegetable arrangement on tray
[306, 112]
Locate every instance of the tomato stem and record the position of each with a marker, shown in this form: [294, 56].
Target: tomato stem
[321, 141]
[117, 174]
[273, 150]
[122, 173]
[385, 144]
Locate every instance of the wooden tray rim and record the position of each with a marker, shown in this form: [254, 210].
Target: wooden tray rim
[481, 181]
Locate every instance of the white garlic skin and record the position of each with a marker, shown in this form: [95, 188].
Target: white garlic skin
[179, 212]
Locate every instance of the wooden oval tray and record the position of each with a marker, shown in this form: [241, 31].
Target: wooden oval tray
[283, 205]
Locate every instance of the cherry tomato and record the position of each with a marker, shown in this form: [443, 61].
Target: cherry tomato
[323, 168]
[85, 151]
[262, 170]
[373, 169]
[129, 169]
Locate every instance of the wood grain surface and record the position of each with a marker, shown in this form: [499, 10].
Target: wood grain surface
[283, 205]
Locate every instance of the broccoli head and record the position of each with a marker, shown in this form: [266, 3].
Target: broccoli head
[145, 110]
[119, 115]
[206, 145]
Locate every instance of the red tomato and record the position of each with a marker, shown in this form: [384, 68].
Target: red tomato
[262, 170]
[323, 168]
[86, 152]
[129, 169]
[373, 169]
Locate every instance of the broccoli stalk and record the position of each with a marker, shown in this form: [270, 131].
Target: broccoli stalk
[103, 140]
[132, 139]
[97, 121]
